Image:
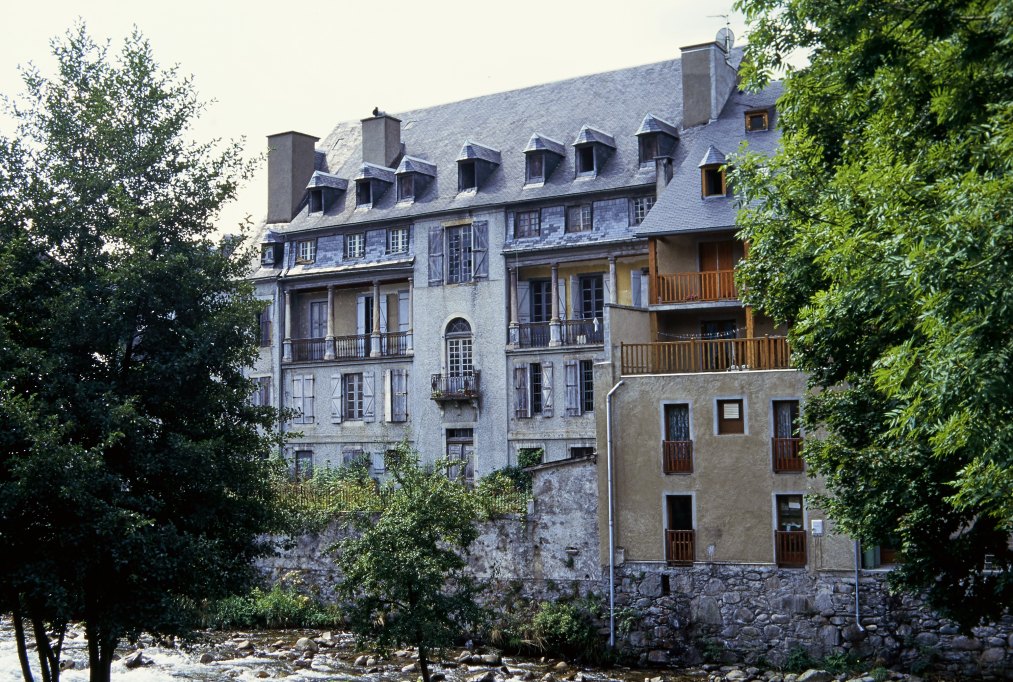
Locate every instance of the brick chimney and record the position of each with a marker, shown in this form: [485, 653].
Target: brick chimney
[290, 162]
[707, 81]
[381, 139]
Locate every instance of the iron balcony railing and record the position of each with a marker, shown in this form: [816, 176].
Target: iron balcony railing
[307, 350]
[463, 386]
[533, 335]
[392, 344]
[581, 332]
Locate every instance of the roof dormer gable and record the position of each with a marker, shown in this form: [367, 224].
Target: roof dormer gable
[475, 164]
[371, 183]
[414, 175]
[323, 190]
[592, 150]
[541, 156]
[656, 137]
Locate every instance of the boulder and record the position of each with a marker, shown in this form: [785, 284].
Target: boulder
[306, 644]
[813, 675]
[360, 662]
[136, 660]
[491, 659]
[244, 645]
[206, 658]
[561, 667]
[487, 676]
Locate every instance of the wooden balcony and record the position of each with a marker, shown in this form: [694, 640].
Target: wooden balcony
[691, 287]
[706, 355]
[677, 456]
[457, 387]
[680, 546]
[789, 546]
[786, 455]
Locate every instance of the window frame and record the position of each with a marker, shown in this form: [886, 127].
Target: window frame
[581, 154]
[764, 113]
[406, 187]
[648, 143]
[363, 193]
[262, 392]
[534, 226]
[712, 172]
[352, 399]
[726, 426]
[535, 378]
[360, 251]
[403, 240]
[462, 175]
[640, 207]
[584, 209]
[306, 251]
[529, 177]
[264, 327]
[300, 456]
[465, 255]
[586, 382]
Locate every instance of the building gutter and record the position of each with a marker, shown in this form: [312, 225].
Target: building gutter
[858, 564]
[611, 503]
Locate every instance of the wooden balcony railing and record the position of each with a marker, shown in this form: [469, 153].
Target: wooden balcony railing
[455, 387]
[687, 287]
[679, 546]
[580, 332]
[786, 454]
[533, 335]
[790, 548]
[678, 456]
[306, 350]
[705, 355]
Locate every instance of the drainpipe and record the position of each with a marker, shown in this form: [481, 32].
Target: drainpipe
[612, 523]
[858, 564]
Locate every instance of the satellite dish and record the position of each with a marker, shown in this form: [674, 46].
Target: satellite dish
[725, 38]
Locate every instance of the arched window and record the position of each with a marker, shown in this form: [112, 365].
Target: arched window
[459, 347]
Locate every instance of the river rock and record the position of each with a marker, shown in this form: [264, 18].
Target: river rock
[206, 658]
[737, 675]
[548, 677]
[561, 667]
[438, 677]
[244, 645]
[306, 644]
[360, 662]
[813, 675]
[262, 674]
[409, 668]
[301, 663]
[136, 660]
[487, 676]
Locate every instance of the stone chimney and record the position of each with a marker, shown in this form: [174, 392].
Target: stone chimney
[707, 81]
[381, 139]
[290, 163]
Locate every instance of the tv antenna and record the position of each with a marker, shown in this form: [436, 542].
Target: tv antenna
[725, 36]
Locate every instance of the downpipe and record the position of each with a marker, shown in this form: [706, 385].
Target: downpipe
[858, 565]
[612, 524]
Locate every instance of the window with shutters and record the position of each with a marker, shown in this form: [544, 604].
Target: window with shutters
[302, 465]
[592, 297]
[264, 326]
[540, 293]
[731, 417]
[397, 395]
[262, 391]
[458, 253]
[461, 453]
[578, 218]
[302, 399]
[536, 388]
[587, 385]
[352, 392]
[533, 390]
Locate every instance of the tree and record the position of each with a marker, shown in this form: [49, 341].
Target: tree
[883, 233]
[404, 580]
[133, 469]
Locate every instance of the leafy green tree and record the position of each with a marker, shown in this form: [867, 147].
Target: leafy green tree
[133, 469]
[404, 580]
[883, 233]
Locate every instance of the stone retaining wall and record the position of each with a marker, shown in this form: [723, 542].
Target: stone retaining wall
[761, 614]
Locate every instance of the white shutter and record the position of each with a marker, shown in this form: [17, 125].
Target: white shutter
[606, 281]
[561, 297]
[368, 399]
[402, 310]
[546, 389]
[360, 315]
[523, 302]
[645, 282]
[522, 406]
[297, 398]
[635, 298]
[576, 311]
[480, 249]
[388, 396]
[399, 384]
[335, 398]
[572, 371]
[383, 313]
[308, 398]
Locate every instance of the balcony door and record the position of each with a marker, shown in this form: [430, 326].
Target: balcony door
[677, 449]
[719, 353]
[459, 356]
[318, 319]
[789, 531]
[364, 321]
[679, 534]
[717, 262]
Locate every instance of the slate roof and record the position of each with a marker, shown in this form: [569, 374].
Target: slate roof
[410, 164]
[470, 150]
[680, 208]
[653, 124]
[321, 179]
[588, 134]
[370, 171]
[714, 156]
[539, 143]
[615, 101]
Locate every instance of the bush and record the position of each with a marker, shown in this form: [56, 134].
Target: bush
[281, 607]
[566, 626]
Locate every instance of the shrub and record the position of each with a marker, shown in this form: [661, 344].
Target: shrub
[566, 626]
[281, 607]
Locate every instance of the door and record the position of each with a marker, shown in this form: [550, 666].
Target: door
[789, 531]
[716, 266]
[679, 535]
[461, 449]
[677, 449]
[719, 344]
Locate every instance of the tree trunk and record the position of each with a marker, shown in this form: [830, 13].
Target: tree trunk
[424, 663]
[49, 656]
[100, 654]
[19, 635]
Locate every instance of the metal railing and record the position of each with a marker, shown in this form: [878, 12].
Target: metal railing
[306, 350]
[581, 332]
[687, 287]
[533, 334]
[455, 387]
[357, 346]
[786, 454]
[678, 456]
[679, 546]
[705, 355]
[790, 548]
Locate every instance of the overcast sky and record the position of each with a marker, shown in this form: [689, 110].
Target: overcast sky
[277, 66]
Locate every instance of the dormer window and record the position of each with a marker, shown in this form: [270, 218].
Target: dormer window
[592, 149]
[363, 193]
[475, 164]
[268, 254]
[323, 189]
[406, 187]
[466, 176]
[757, 120]
[316, 200]
[413, 176]
[541, 156]
[712, 174]
[656, 138]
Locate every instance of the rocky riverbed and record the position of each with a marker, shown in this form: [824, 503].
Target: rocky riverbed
[315, 655]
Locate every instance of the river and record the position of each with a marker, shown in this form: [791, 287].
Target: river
[274, 655]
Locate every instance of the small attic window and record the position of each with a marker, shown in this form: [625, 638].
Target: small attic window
[712, 181]
[648, 148]
[585, 159]
[466, 177]
[757, 120]
[534, 168]
[405, 186]
[316, 200]
[363, 193]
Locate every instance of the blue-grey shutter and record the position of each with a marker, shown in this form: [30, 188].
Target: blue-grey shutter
[368, 399]
[307, 387]
[402, 310]
[523, 302]
[435, 255]
[572, 372]
[635, 276]
[399, 395]
[297, 399]
[335, 398]
[480, 249]
[546, 389]
[522, 406]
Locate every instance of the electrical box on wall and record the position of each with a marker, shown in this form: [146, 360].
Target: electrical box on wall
[817, 526]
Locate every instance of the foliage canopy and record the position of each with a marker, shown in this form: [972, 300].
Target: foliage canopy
[133, 469]
[883, 233]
